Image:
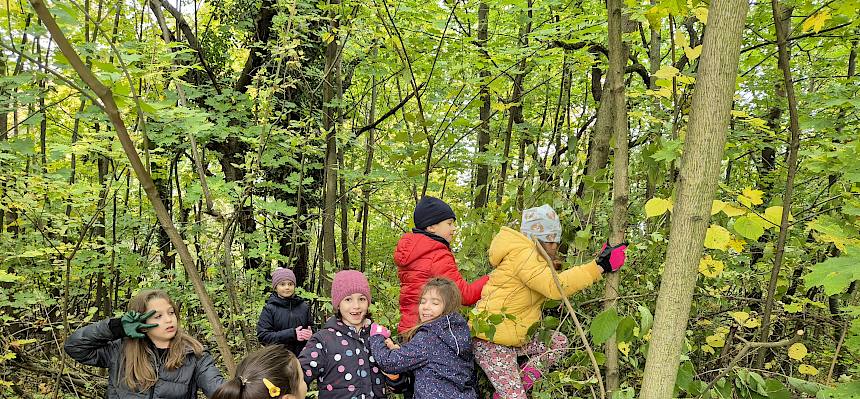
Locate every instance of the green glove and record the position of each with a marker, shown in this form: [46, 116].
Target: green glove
[133, 322]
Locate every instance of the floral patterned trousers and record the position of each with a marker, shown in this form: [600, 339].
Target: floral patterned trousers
[500, 362]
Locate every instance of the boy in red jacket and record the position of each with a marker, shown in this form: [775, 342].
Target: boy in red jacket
[426, 253]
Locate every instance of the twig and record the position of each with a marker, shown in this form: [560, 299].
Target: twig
[747, 347]
[573, 316]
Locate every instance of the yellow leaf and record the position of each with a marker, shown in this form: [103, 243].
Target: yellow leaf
[797, 351]
[624, 347]
[656, 207]
[707, 349]
[666, 72]
[710, 267]
[737, 245]
[750, 197]
[732, 211]
[717, 237]
[716, 340]
[693, 53]
[807, 369]
[701, 14]
[740, 317]
[774, 216]
[753, 323]
[816, 22]
[717, 206]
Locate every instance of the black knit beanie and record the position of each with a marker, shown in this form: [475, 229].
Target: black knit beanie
[431, 210]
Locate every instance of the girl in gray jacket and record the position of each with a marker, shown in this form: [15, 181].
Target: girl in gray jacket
[146, 352]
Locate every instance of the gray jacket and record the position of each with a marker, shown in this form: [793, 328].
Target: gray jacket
[100, 345]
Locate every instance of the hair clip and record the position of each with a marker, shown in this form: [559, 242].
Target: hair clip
[243, 380]
[274, 391]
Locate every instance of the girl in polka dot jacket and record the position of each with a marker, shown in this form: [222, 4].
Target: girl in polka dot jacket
[337, 356]
[438, 349]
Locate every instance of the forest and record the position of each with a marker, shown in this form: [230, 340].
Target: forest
[195, 146]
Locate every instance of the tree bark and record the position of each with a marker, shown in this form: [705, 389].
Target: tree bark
[483, 169]
[620, 189]
[794, 144]
[700, 166]
[330, 84]
[109, 106]
[368, 167]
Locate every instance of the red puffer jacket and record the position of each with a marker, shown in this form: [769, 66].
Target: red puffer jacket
[420, 258]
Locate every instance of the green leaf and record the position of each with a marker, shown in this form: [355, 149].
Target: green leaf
[604, 325]
[747, 228]
[624, 332]
[776, 389]
[550, 322]
[807, 387]
[645, 320]
[836, 274]
[8, 277]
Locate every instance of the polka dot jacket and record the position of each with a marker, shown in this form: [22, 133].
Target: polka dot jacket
[338, 359]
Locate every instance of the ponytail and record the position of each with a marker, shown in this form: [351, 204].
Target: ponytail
[269, 372]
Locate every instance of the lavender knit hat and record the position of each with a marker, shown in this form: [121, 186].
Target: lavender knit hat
[346, 283]
[281, 274]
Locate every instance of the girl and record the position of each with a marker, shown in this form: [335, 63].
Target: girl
[337, 356]
[519, 285]
[286, 318]
[271, 372]
[438, 349]
[146, 352]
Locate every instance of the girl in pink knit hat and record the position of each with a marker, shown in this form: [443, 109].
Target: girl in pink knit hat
[286, 318]
[337, 356]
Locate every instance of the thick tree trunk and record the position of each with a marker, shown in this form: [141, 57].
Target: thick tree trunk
[620, 189]
[483, 169]
[794, 144]
[703, 151]
[110, 108]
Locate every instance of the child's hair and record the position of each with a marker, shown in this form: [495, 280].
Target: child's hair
[449, 293]
[137, 354]
[274, 363]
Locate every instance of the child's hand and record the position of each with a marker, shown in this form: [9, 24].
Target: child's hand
[391, 345]
[612, 258]
[378, 329]
[303, 334]
[557, 264]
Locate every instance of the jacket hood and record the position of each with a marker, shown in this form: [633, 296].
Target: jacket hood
[505, 242]
[453, 330]
[290, 302]
[413, 246]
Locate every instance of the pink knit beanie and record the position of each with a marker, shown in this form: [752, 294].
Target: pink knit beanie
[346, 283]
[281, 274]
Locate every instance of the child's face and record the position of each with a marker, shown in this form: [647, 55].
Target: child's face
[431, 306]
[165, 317]
[285, 289]
[444, 229]
[551, 249]
[353, 309]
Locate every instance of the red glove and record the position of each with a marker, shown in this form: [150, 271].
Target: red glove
[612, 258]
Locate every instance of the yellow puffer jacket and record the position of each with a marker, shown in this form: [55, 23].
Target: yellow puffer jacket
[521, 282]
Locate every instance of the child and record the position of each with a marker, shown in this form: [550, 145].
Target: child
[337, 356]
[286, 318]
[518, 286]
[146, 352]
[426, 253]
[438, 350]
[270, 372]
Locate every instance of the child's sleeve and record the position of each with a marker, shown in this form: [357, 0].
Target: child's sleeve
[267, 334]
[313, 359]
[96, 344]
[208, 377]
[409, 357]
[446, 266]
[536, 274]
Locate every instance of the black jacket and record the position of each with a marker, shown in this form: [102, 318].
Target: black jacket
[338, 358]
[279, 319]
[100, 345]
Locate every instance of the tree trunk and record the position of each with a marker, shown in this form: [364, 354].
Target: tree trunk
[483, 171]
[703, 151]
[620, 189]
[330, 84]
[110, 108]
[368, 166]
[794, 144]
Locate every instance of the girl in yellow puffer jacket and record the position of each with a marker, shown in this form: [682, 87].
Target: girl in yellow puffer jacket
[518, 286]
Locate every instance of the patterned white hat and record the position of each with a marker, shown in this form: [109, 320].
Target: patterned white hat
[541, 223]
